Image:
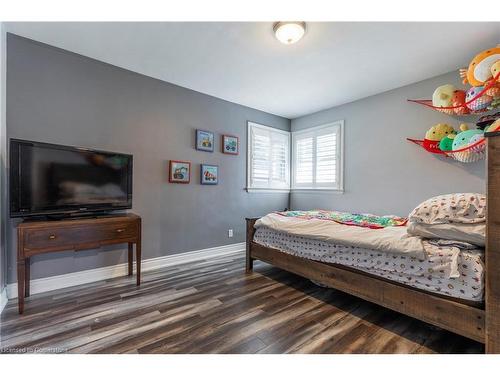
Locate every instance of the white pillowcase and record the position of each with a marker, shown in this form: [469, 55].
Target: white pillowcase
[461, 208]
[471, 233]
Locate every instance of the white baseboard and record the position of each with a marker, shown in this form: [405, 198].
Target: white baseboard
[3, 299]
[82, 277]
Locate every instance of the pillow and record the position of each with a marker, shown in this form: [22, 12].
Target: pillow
[462, 208]
[471, 233]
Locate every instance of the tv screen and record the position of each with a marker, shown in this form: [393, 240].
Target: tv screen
[52, 179]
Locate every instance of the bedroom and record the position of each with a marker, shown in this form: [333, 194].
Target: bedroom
[254, 187]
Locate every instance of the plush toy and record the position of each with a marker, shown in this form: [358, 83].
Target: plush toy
[476, 138]
[495, 103]
[481, 103]
[438, 132]
[434, 135]
[495, 69]
[458, 100]
[480, 68]
[487, 120]
[495, 127]
[446, 144]
[463, 139]
[483, 68]
[442, 97]
[494, 89]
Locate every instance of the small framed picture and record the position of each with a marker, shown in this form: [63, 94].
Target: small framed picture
[179, 172]
[230, 144]
[204, 140]
[209, 174]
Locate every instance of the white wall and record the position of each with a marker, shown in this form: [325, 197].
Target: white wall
[384, 173]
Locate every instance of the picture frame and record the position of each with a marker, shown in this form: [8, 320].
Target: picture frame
[179, 172]
[230, 144]
[209, 174]
[205, 140]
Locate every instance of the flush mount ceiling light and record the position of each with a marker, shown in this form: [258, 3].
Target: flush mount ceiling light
[289, 32]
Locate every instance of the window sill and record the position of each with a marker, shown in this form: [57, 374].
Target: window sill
[318, 191]
[266, 190]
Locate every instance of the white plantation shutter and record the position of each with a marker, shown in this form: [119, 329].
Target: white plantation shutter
[268, 157]
[317, 157]
[304, 160]
[326, 158]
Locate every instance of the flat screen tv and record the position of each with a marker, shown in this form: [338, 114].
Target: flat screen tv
[53, 180]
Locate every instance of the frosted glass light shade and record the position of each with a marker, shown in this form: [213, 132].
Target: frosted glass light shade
[289, 32]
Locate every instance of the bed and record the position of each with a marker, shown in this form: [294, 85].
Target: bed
[467, 303]
[446, 270]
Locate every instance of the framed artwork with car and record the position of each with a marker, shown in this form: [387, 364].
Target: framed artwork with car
[179, 172]
[230, 144]
[204, 140]
[209, 174]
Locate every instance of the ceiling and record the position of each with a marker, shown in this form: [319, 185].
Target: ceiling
[242, 62]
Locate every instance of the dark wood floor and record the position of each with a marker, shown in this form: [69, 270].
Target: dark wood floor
[213, 307]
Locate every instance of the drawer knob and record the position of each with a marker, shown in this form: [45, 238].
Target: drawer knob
[52, 237]
[120, 230]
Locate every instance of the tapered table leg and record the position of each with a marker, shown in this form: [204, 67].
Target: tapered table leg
[138, 261]
[27, 277]
[21, 268]
[130, 258]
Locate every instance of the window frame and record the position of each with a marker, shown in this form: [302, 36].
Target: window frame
[249, 187]
[339, 187]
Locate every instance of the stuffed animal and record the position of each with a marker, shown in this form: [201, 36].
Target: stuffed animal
[481, 74]
[494, 89]
[446, 144]
[463, 139]
[439, 131]
[495, 103]
[476, 138]
[481, 103]
[458, 101]
[434, 135]
[442, 97]
[480, 68]
[487, 120]
[495, 69]
[495, 127]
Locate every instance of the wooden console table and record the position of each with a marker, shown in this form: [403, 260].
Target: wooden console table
[40, 237]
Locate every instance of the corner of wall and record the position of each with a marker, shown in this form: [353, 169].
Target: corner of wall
[3, 153]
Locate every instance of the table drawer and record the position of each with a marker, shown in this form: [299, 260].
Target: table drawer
[78, 236]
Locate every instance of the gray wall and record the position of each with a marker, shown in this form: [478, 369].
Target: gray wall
[384, 173]
[60, 97]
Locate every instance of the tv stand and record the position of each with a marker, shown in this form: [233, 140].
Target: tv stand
[36, 237]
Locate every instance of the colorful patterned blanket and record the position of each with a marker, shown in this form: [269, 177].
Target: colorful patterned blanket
[359, 220]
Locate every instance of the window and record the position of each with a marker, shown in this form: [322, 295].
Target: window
[268, 158]
[317, 157]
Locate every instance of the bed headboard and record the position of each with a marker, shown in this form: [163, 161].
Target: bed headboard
[492, 252]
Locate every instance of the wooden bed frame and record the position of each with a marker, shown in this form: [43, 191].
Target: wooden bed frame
[480, 323]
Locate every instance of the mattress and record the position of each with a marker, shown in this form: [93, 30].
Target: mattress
[446, 270]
